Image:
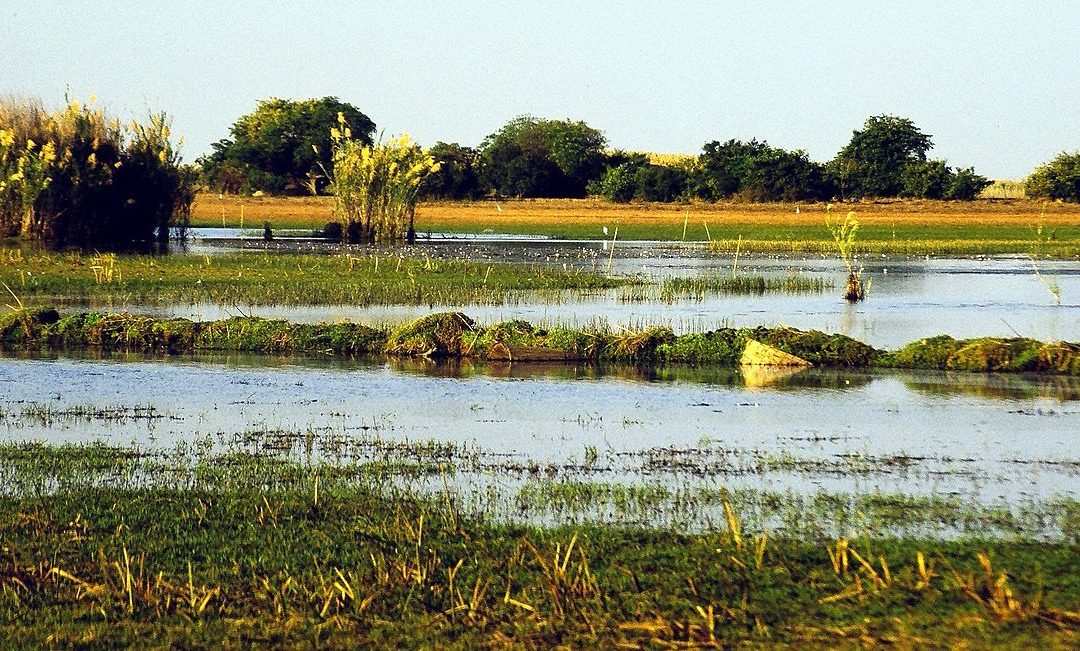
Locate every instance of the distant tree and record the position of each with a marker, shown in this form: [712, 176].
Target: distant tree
[1057, 179]
[456, 177]
[925, 179]
[619, 183]
[965, 184]
[660, 183]
[933, 179]
[531, 157]
[872, 164]
[282, 146]
[755, 171]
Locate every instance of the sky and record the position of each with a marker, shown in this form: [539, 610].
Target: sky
[996, 84]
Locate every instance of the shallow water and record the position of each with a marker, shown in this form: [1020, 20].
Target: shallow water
[989, 439]
[910, 298]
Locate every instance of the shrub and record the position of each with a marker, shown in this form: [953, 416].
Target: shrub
[76, 177]
[1057, 179]
[376, 187]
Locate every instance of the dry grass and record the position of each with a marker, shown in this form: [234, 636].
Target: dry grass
[570, 214]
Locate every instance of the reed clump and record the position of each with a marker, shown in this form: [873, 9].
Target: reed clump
[77, 177]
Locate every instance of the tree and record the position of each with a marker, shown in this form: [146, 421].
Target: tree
[456, 177]
[755, 171]
[531, 157]
[934, 179]
[619, 183]
[925, 180]
[660, 183]
[965, 184]
[281, 146]
[872, 163]
[1057, 179]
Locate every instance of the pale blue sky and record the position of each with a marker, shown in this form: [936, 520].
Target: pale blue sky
[997, 84]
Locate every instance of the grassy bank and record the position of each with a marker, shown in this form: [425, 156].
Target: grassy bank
[899, 227]
[454, 335]
[244, 550]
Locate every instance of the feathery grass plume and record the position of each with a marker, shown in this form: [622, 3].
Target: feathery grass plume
[77, 177]
[375, 188]
[844, 236]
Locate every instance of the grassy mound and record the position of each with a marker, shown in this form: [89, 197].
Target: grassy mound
[455, 335]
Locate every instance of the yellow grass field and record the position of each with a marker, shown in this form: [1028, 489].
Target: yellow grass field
[991, 226]
[313, 212]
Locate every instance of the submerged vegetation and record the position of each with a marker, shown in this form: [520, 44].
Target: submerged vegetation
[455, 335]
[241, 550]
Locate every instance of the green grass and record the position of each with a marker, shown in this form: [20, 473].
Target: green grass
[241, 551]
[268, 279]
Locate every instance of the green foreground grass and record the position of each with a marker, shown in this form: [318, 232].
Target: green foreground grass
[241, 551]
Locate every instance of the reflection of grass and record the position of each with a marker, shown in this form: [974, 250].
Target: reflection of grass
[902, 227]
[246, 550]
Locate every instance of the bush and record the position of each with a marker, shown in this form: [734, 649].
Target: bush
[619, 183]
[531, 157]
[1058, 179]
[76, 177]
[755, 171]
[456, 177]
[660, 183]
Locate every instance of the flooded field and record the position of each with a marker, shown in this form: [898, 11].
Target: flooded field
[658, 448]
[910, 298]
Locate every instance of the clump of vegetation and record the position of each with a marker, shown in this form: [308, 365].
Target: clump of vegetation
[437, 335]
[988, 354]
[1058, 179]
[76, 177]
[844, 235]
[376, 187]
[454, 335]
[281, 147]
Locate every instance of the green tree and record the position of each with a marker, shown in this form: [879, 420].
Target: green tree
[619, 183]
[281, 146]
[965, 184]
[456, 177]
[532, 157]
[660, 183]
[1057, 179]
[872, 164]
[925, 179]
[755, 171]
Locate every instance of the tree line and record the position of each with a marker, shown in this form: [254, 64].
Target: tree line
[281, 146]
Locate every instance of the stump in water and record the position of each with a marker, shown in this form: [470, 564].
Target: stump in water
[855, 291]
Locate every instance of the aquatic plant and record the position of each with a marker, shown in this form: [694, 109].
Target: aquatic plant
[375, 187]
[844, 234]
